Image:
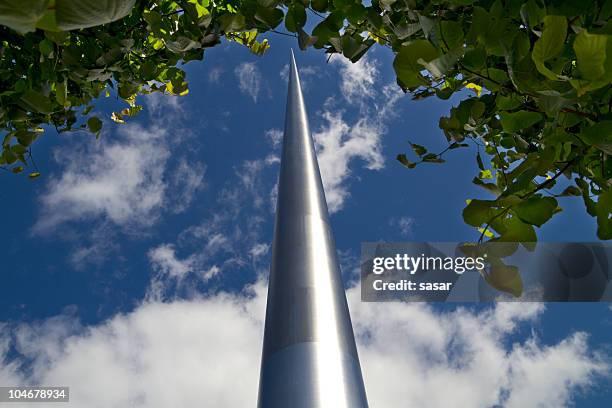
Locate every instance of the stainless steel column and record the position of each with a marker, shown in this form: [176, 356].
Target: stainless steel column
[309, 357]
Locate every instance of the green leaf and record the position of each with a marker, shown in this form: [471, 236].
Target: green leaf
[418, 149]
[590, 52]
[22, 17]
[405, 31]
[404, 160]
[356, 13]
[328, 29]
[320, 5]
[478, 109]
[153, 18]
[485, 174]
[456, 145]
[604, 215]
[272, 17]
[589, 203]
[46, 48]
[8, 156]
[486, 232]
[513, 122]
[386, 4]
[518, 231]
[232, 22]
[19, 150]
[268, 3]
[600, 136]
[94, 124]
[550, 44]
[551, 102]
[34, 175]
[505, 278]
[353, 46]
[438, 67]
[531, 13]
[304, 40]
[492, 188]
[37, 101]
[148, 70]
[452, 33]
[474, 59]
[295, 18]
[427, 25]
[182, 44]
[571, 191]
[433, 158]
[406, 63]
[61, 93]
[536, 210]
[25, 137]
[479, 212]
[479, 161]
[132, 111]
[77, 14]
[178, 88]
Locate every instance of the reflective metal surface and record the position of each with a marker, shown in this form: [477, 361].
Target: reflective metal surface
[309, 356]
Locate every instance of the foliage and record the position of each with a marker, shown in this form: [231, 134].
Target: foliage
[538, 74]
[57, 58]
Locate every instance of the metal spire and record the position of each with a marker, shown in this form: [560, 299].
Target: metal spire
[309, 357]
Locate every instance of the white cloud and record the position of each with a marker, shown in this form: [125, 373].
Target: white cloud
[211, 272]
[249, 79]
[259, 250]
[159, 104]
[273, 197]
[163, 260]
[186, 353]
[120, 184]
[403, 224]
[124, 179]
[186, 180]
[411, 352]
[173, 274]
[272, 159]
[472, 377]
[214, 75]
[284, 72]
[550, 374]
[274, 136]
[307, 74]
[119, 181]
[160, 355]
[96, 249]
[215, 242]
[339, 142]
[230, 238]
[305, 71]
[308, 70]
[251, 180]
[358, 79]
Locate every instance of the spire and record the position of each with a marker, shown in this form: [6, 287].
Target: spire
[309, 357]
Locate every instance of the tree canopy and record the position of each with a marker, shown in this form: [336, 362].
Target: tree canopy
[539, 75]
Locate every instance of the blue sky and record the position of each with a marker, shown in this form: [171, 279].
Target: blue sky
[151, 245]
